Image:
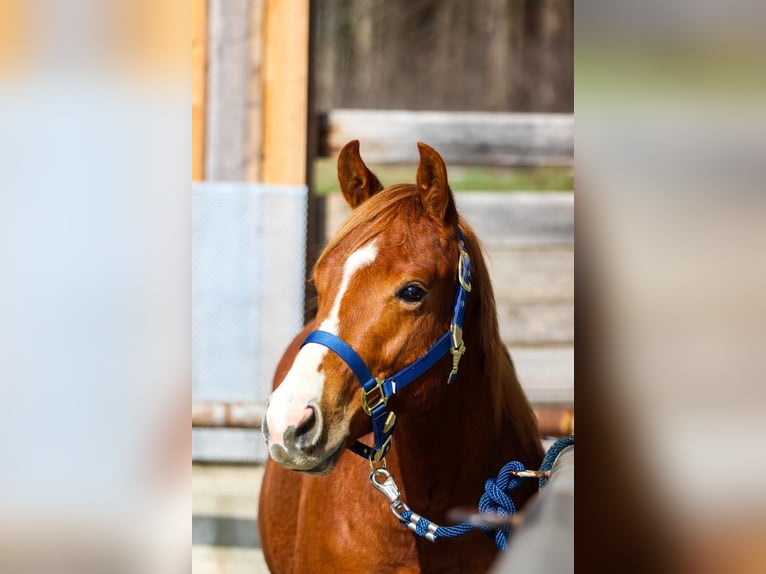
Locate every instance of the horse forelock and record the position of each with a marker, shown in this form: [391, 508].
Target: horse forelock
[375, 216]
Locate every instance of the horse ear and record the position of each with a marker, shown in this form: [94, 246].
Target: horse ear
[357, 182]
[433, 186]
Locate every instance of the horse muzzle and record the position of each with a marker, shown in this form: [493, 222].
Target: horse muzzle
[303, 445]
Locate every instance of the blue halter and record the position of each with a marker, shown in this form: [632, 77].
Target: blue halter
[375, 391]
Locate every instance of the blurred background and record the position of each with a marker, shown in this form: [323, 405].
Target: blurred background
[279, 88]
[671, 225]
[96, 222]
[95, 347]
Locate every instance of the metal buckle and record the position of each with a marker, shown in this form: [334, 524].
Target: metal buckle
[460, 269]
[457, 336]
[380, 399]
[379, 454]
[390, 422]
[457, 350]
[377, 465]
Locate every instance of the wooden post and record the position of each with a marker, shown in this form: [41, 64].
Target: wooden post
[199, 76]
[253, 141]
[285, 92]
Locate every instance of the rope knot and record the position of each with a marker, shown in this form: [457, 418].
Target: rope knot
[496, 500]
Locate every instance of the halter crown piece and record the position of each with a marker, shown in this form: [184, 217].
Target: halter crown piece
[375, 391]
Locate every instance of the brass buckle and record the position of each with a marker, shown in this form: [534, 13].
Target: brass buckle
[457, 350]
[457, 336]
[376, 465]
[379, 455]
[390, 422]
[380, 399]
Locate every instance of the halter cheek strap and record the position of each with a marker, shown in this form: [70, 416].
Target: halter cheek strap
[375, 391]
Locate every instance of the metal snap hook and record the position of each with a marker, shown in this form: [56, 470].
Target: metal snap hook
[387, 487]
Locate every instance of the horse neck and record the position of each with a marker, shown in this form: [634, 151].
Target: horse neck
[446, 451]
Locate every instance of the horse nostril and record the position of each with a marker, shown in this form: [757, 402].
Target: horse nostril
[308, 429]
[265, 429]
[306, 422]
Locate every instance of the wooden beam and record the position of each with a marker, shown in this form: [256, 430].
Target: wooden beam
[462, 138]
[552, 420]
[228, 86]
[254, 109]
[213, 414]
[285, 93]
[199, 79]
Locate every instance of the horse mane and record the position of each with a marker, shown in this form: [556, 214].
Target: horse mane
[498, 367]
[403, 202]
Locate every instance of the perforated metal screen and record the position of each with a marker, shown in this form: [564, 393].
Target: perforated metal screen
[248, 261]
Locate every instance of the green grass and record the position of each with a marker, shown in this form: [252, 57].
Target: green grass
[461, 178]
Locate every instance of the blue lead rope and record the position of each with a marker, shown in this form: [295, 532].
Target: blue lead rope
[552, 455]
[422, 524]
[495, 501]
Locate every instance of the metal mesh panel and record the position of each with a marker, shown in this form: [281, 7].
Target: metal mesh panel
[248, 261]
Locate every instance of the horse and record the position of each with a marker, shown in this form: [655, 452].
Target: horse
[386, 286]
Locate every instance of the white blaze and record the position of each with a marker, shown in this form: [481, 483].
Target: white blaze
[303, 382]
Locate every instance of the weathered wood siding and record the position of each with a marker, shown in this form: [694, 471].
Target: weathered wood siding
[491, 55]
[199, 86]
[234, 110]
[462, 138]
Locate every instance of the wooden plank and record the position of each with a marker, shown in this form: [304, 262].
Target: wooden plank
[462, 138]
[227, 560]
[199, 91]
[224, 445]
[499, 218]
[523, 275]
[239, 414]
[520, 217]
[254, 110]
[225, 531]
[537, 323]
[554, 420]
[285, 91]
[234, 101]
[229, 53]
[546, 374]
[226, 490]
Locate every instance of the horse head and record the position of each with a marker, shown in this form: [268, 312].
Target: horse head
[385, 284]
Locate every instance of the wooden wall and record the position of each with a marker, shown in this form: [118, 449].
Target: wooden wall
[199, 89]
[462, 138]
[482, 55]
[250, 103]
[250, 109]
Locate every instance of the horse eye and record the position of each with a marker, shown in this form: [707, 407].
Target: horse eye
[411, 293]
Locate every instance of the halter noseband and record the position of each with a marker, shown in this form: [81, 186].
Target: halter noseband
[375, 391]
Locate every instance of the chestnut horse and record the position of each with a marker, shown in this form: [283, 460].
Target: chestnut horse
[386, 284]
